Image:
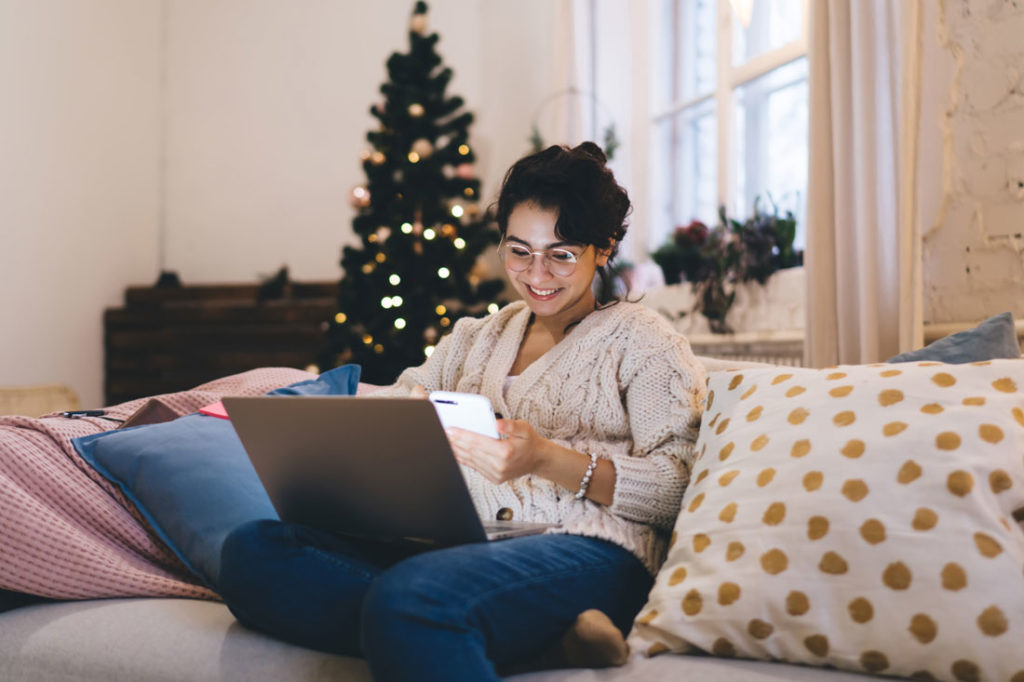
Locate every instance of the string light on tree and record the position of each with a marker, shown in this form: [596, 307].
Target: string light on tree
[419, 196]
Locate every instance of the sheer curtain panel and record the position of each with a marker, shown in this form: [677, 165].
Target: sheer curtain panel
[863, 238]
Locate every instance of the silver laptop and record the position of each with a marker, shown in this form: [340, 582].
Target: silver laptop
[370, 467]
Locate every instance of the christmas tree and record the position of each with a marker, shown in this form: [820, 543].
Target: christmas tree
[421, 228]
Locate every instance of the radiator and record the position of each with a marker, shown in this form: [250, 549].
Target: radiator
[777, 348]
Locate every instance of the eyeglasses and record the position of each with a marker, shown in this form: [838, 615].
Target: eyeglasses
[518, 258]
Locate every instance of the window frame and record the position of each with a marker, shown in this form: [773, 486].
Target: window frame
[728, 79]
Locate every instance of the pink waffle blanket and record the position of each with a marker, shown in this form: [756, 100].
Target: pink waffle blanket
[68, 533]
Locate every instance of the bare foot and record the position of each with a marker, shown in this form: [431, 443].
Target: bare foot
[593, 641]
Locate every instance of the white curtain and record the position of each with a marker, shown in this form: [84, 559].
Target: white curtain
[863, 242]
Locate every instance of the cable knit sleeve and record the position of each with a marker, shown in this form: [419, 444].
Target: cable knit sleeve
[662, 398]
[445, 362]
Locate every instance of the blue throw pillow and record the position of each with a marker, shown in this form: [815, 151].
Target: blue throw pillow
[993, 339]
[191, 479]
[13, 600]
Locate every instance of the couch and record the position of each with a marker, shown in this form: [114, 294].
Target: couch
[178, 639]
[182, 639]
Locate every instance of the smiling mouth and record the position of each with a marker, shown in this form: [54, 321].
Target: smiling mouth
[542, 293]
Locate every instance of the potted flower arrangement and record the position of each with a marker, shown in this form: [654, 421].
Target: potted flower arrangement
[715, 260]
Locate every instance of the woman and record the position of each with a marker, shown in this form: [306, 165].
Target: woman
[601, 406]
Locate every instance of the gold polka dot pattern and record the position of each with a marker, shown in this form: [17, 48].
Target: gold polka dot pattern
[797, 603]
[861, 610]
[859, 517]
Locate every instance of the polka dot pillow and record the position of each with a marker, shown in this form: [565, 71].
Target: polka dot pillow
[860, 517]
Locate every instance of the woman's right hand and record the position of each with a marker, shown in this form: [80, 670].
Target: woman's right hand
[418, 391]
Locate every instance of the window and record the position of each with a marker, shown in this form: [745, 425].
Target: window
[730, 111]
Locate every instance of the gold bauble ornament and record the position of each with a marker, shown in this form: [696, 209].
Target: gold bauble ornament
[418, 24]
[360, 197]
[416, 110]
[423, 147]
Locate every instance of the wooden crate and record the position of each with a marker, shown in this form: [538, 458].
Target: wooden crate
[173, 338]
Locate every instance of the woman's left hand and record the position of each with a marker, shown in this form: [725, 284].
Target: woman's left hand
[521, 452]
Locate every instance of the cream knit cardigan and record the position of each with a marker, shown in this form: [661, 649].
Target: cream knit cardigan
[623, 385]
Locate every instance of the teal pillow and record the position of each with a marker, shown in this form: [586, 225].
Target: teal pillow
[191, 478]
[993, 339]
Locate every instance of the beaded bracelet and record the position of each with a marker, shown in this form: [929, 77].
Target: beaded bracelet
[585, 483]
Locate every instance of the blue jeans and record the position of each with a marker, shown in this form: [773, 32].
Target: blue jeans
[448, 614]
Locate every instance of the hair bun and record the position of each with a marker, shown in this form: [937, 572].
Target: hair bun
[592, 150]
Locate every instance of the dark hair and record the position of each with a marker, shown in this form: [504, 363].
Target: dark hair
[592, 207]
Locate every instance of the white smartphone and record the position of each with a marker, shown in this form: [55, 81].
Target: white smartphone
[465, 411]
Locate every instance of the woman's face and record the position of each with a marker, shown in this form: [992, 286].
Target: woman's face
[564, 299]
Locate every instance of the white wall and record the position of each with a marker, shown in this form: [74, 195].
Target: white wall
[972, 160]
[267, 112]
[78, 179]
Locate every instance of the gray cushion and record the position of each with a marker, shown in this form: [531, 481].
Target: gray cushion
[177, 639]
[993, 339]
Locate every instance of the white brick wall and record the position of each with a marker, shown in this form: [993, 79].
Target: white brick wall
[972, 163]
